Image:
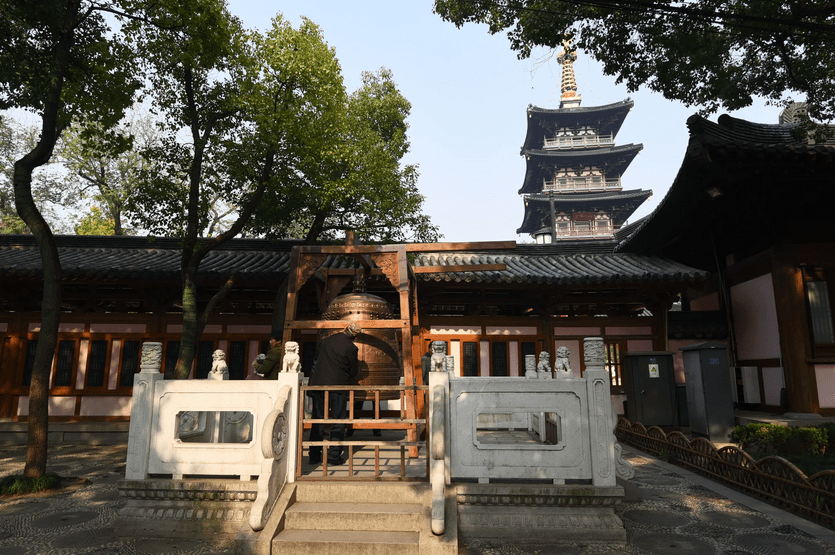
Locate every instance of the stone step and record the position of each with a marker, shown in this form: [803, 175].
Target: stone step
[392, 517]
[417, 493]
[345, 542]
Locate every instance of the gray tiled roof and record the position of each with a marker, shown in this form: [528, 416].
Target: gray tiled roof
[685, 208]
[111, 258]
[114, 258]
[541, 164]
[537, 265]
[607, 119]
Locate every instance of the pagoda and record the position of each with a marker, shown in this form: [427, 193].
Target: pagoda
[572, 188]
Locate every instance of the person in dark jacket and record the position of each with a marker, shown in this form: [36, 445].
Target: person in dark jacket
[272, 364]
[336, 364]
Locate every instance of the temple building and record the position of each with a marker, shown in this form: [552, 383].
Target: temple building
[572, 187]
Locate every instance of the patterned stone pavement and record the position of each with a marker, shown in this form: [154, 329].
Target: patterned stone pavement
[678, 513]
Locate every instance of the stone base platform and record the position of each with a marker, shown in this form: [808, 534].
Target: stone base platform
[184, 508]
[89, 433]
[535, 513]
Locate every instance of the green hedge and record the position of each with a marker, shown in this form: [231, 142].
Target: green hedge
[15, 485]
[777, 439]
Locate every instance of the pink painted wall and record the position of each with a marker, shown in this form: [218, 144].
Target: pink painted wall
[825, 374]
[117, 328]
[253, 353]
[708, 302]
[58, 406]
[62, 328]
[211, 328]
[513, 356]
[81, 375]
[618, 330]
[591, 331]
[518, 330]
[755, 319]
[484, 358]
[113, 376]
[461, 330]
[105, 406]
[249, 329]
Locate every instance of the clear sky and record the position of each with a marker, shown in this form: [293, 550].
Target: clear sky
[469, 94]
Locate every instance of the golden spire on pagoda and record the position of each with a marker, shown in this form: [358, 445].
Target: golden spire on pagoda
[566, 58]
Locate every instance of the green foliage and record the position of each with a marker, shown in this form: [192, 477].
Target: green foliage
[47, 187]
[95, 223]
[705, 53]
[17, 485]
[781, 440]
[104, 165]
[355, 180]
[53, 40]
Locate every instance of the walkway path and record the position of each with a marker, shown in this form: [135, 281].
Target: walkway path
[678, 514]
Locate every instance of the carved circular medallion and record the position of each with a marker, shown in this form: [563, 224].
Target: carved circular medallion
[279, 436]
[274, 435]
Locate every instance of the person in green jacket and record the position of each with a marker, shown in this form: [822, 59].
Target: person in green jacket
[271, 365]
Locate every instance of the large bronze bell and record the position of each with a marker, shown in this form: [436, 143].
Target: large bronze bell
[379, 350]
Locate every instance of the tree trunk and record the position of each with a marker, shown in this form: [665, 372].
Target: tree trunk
[190, 337]
[38, 419]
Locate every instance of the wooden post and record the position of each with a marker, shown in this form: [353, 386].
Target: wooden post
[292, 291]
[406, 330]
[11, 353]
[795, 343]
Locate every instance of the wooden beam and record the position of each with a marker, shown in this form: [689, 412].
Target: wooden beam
[459, 268]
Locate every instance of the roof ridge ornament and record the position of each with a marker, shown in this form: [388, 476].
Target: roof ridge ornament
[568, 86]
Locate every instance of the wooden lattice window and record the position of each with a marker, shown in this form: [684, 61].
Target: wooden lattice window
[29, 364]
[96, 363]
[469, 362]
[130, 362]
[498, 358]
[204, 359]
[63, 366]
[237, 360]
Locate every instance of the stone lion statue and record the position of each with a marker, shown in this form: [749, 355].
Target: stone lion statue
[544, 364]
[220, 370]
[562, 364]
[562, 367]
[438, 356]
[292, 361]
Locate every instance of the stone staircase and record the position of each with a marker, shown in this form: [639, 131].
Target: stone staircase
[360, 518]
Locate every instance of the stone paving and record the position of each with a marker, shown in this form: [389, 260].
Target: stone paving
[678, 513]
